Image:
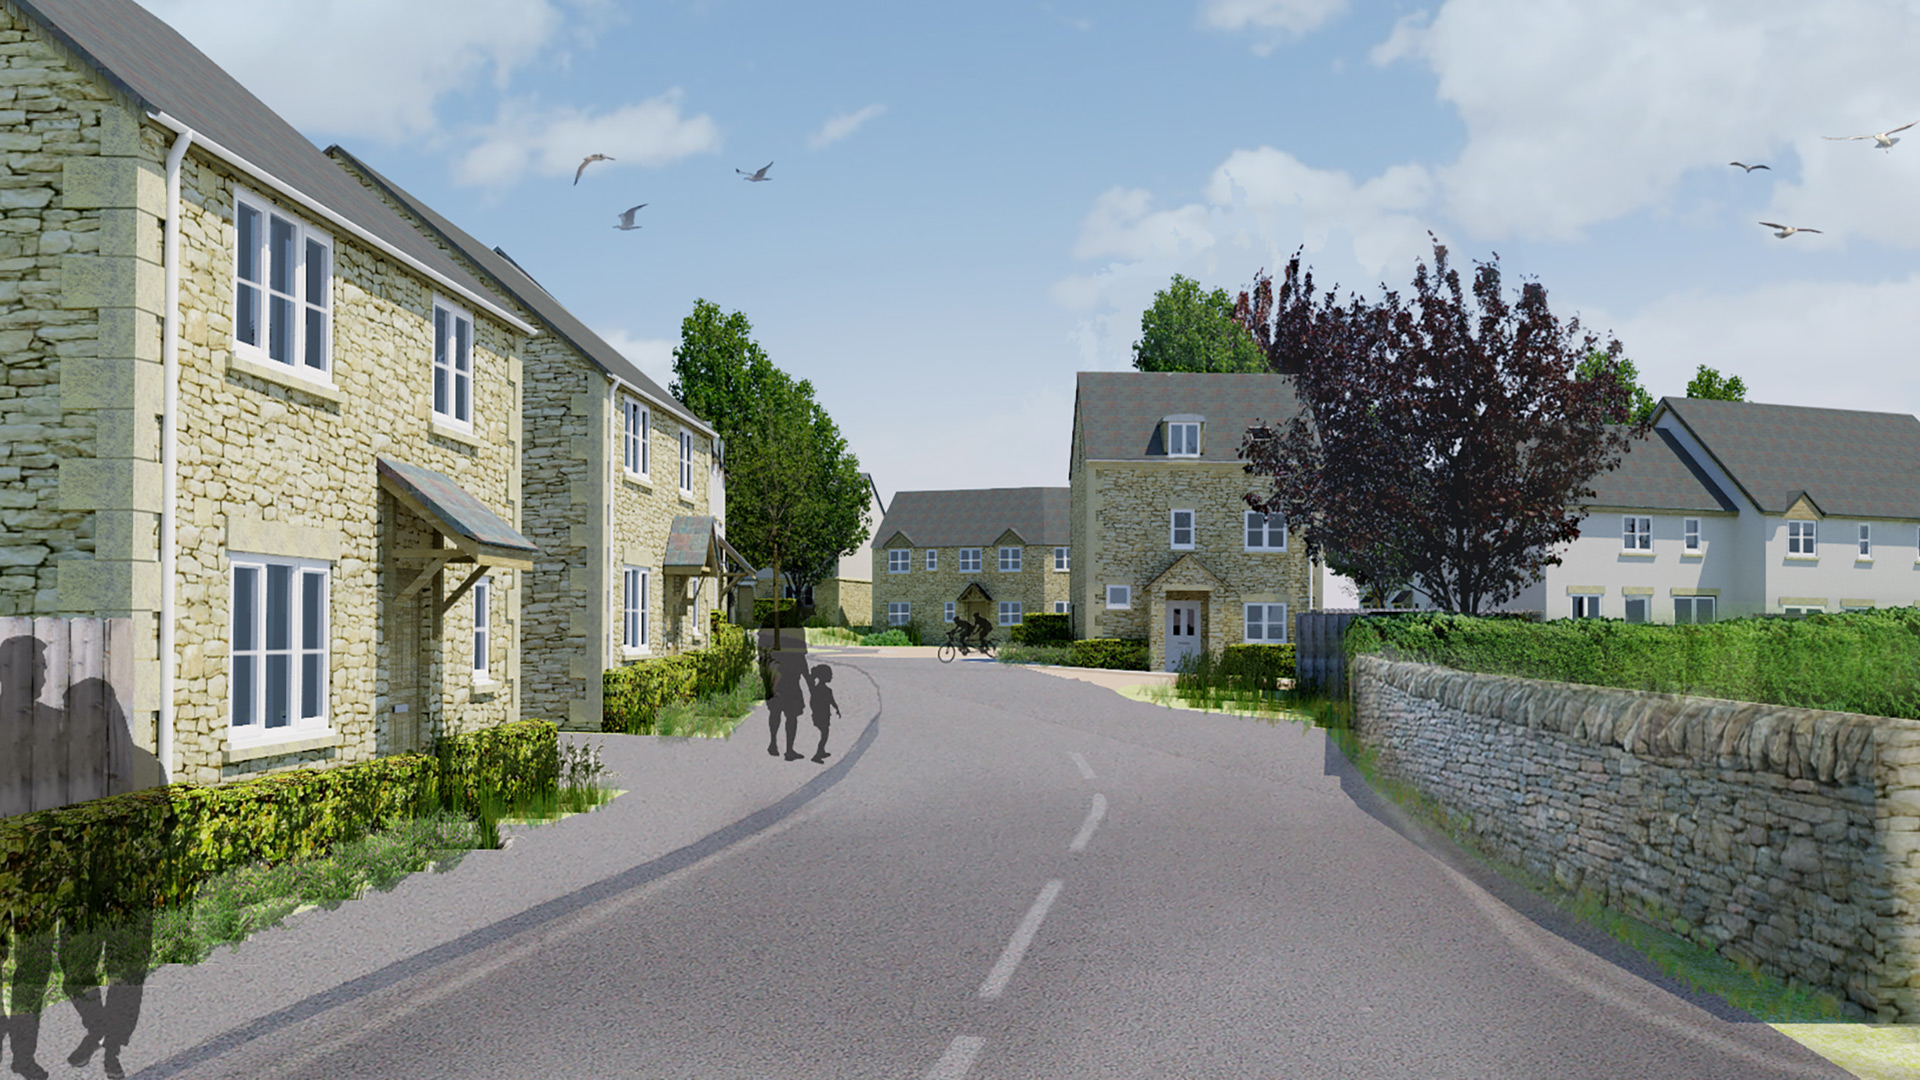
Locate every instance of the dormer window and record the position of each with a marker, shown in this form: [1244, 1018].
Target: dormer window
[1183, 438]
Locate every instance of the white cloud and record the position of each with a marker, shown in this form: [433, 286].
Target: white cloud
[1578, 113]
[1858, 337]
[843, 125]
[553, 141]
[654, 356]
[1275, 20]
[317, 64]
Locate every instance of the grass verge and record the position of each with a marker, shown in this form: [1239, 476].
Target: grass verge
[713, 716]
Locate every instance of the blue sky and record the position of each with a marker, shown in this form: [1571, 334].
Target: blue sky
[971, 202]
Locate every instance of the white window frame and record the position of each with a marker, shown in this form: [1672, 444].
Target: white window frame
[1061, 607]
[1123, 594]
[1061, 556]
[1173, 530]
[947, 612]
[899, 560]
[1183, 438]
[1258, 631]
[1010, 614]
[1693, 605]
[1009, 560]
[1690, 533]
[1866, 542]
[686, 462]
[1586, 605]
[1636, 532]
[482, 629]
[899, 612]
[639, 434]
[447, 367]
[1264, 530]
[933, 558]
[1645, 604]
[635, 585]
[306, 660]
[969, 560]
[257, 295]
[1801, 538]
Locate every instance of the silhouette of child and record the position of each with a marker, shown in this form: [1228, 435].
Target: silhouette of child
[822, 697]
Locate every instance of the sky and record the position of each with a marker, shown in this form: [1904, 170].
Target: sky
[971, 202]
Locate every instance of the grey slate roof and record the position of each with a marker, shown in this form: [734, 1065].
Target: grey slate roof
[1120, 411]
[976, 517]
[162, 72]
[1656, 473]
[509, 278]
[454, 505]
[1850, 463]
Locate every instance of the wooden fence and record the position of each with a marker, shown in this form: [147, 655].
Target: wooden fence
[1319, 651]
[66, 687]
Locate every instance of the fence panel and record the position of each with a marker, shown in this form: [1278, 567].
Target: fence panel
[65, 687]
[1319, 651]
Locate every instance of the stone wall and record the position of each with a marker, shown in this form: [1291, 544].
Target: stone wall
[1036, 585]
[1785, 837]
[644, 509]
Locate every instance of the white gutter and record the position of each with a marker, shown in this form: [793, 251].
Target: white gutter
[476, 299]
[170, 451]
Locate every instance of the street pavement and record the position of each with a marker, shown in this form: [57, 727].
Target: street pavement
[1001, 873]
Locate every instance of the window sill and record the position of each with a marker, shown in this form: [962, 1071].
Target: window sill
[1803, 558]
[1636, 554]
[1693, 553]
[1259, 551]
[280, 374]
[252, 751]
[461, 435]
[484, 687]
[1866, 559]
[644, 652]
[640, 480]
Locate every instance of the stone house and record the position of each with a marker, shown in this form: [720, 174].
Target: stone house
[1001, 553]
[846, 598]
[1163, 545]
[1738, 508]
[248, 407]
[616, 472]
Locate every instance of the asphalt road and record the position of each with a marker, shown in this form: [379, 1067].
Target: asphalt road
[1001, 874]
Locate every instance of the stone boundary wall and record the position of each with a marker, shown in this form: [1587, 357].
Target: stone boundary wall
[1781, 836]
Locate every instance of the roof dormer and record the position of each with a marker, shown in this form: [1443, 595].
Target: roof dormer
[1180, 434]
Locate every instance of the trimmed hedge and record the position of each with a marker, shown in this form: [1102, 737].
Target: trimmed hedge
[109, 857]
[1266, 664]
[1864, 662]
[1046, 629]
[633, 693]
[1121, 654]
[894, 636]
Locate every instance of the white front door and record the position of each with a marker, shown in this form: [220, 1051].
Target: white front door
[1183, 633]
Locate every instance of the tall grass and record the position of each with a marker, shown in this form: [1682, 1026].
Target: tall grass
[713, 716]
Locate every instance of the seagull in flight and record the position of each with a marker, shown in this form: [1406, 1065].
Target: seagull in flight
[590, 159]
[1750, 168]
[761, 175]
[626, 219]
[1784, 231]
[1884, 140]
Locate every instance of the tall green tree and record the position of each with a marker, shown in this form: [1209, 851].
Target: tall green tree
[1708, 383]
[1632, 402]
[1187, 330]
[777, 436]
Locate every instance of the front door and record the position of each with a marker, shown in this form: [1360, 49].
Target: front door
[1183, 633]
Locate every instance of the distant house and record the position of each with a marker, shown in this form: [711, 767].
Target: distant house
[999, 553]
[1163, 545]
[1738, 508]
[622, 491]
[251, 408]
[846, 598]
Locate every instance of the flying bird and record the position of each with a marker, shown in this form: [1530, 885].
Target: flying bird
[590, 159]
[1784, 231]
[1750, 168]
[626, 219]
[1884, 140]
[761, 175]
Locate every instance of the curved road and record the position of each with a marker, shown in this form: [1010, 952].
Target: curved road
[1007, 875]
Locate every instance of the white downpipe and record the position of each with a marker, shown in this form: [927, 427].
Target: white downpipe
[170, 451]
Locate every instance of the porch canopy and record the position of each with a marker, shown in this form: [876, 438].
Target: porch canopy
[472, 533]
[696, 548]
[974, 591]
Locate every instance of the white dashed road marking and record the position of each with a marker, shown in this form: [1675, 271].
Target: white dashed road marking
[1094, 816]
[953, 1064]
[1002, 972]
[1086, 770]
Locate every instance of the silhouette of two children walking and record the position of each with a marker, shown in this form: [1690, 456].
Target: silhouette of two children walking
[787, 658]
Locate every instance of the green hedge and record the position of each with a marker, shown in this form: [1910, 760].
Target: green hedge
[1265, 664]
[633, 693]
[1123, 654]
[1047, 629]
[1864, 662]
[893, 636]
[789, 612]
[109, 857]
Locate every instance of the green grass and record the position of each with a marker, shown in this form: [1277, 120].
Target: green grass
[836, 635]
[1271, 705]
[1739, 983]
[1011, 653]
[713, 716]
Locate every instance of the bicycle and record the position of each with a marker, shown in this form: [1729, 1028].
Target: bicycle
[952, 648]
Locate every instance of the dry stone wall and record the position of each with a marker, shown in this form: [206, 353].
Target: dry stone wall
[1785, 837]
